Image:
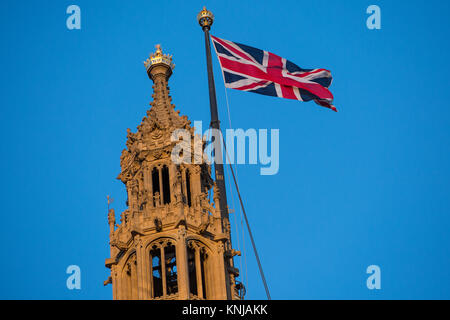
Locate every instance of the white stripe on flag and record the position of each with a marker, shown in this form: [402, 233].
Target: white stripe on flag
[278, 90]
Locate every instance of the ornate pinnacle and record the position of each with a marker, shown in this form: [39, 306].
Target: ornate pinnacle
[158, 58]
[205, 18]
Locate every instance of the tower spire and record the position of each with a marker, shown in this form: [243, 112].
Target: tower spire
[159, 69]
[171, 242]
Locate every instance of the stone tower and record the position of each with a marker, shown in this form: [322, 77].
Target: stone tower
[171, 242]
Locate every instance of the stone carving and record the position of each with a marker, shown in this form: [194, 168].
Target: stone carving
[157, 199]
[181, 233]
[137, 242]
[158, 224]
[111, 217]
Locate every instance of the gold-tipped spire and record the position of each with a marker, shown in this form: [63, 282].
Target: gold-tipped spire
[205, 18]
[159, 58]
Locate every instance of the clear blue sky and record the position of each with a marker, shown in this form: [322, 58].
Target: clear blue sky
[368, 185]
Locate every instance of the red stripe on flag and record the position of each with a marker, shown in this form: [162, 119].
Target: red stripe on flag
[247, 69]
[250, 70]
[288, 92]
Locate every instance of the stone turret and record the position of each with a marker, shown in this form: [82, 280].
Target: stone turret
[172, 242]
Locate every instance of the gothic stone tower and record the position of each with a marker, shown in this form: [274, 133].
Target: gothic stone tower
[172, 242]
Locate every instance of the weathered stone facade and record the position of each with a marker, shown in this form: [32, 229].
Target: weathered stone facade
[171, 242]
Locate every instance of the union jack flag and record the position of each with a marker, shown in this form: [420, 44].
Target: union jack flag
[249, 69]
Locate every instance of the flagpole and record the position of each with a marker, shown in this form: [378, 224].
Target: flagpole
[206, 18]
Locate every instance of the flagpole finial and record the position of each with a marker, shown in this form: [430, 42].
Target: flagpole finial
[205, 18]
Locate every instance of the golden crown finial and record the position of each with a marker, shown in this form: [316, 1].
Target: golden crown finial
[159, 58]
[205, 18]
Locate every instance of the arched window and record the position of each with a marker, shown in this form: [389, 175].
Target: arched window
[164, 269]
[171, 269]
[155, 256]
[166, 185]
[192, 271]
[188, 187]
[198, 270]
[155, 184]
[203, 257]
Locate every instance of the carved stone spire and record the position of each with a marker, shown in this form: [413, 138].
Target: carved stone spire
[159, 69]
[156, 128]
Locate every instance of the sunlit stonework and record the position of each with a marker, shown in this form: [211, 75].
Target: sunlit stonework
[171, 242]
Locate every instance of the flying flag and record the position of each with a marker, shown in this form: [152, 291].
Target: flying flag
[249, 69]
